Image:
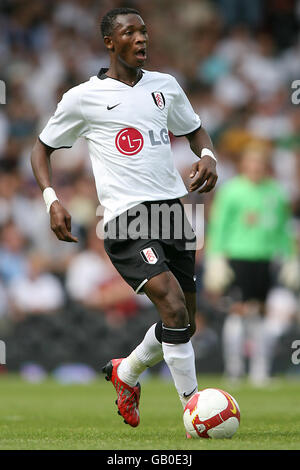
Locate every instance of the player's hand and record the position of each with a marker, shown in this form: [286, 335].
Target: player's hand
[60, 222]
[206, 175]
[217, 275]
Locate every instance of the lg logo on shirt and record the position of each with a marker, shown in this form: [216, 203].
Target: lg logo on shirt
[129, 141]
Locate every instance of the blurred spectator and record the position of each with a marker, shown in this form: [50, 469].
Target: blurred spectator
[84, 202]
[282, 21]
[4, 309]
[205, 342]
[21, 114]
[9, 184]
[13, 260]
[92, 280]
[235, 12]
[282, 309]
[36, 291]
[261, 67]
[249, 229]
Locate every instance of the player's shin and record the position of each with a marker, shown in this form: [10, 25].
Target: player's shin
[146, 354]
[179, 355]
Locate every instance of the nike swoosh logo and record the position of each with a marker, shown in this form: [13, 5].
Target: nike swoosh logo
[112, 107]
[184, 394]
[233, 409]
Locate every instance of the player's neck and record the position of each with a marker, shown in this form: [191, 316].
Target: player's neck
[124, 74]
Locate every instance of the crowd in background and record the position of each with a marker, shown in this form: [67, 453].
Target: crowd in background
[235, 59]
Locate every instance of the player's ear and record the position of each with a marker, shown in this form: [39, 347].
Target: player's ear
[109, 43]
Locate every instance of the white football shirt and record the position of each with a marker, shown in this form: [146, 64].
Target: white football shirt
[126, 129]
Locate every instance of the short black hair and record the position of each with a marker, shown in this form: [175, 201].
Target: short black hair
[108, 20]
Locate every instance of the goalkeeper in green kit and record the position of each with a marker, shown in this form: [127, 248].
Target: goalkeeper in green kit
[249, 231]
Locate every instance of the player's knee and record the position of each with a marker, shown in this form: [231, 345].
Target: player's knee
[170, 302]
[174, 313]
[176, 316]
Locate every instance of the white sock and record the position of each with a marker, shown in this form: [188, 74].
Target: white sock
[180, 359]
[146, 354]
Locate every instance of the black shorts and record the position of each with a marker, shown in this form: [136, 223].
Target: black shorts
[252, 281]
[142, 246]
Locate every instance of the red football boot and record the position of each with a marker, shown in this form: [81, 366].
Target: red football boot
[128, 397]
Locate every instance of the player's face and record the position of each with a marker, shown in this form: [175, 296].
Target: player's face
[254, 166]
[129, 40]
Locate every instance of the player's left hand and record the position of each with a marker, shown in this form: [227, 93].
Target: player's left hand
[205, 170]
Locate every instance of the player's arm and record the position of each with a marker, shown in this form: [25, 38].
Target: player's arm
[181, 119]
[60, 219]
[205, 169]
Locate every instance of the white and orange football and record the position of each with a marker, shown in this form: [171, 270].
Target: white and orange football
[212, 413]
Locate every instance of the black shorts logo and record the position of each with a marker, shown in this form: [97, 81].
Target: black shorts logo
[149, 255]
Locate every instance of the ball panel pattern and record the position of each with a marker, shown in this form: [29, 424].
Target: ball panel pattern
[212, 413]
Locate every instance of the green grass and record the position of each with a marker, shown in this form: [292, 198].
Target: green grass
[54, 416]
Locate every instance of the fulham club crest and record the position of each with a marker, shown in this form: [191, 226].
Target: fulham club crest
[149, 255]
[159, 99]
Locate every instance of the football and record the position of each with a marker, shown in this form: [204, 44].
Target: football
[211, 413]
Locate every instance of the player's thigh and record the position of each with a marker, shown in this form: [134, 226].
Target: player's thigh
[167, 295]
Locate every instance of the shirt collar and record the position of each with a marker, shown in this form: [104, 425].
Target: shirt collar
[102, 74]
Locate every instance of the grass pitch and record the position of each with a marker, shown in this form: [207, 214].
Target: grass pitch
[72, 417]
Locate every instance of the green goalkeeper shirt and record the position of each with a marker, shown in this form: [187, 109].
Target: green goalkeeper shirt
[250, 221]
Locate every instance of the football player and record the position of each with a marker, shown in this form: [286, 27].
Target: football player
[125, 113]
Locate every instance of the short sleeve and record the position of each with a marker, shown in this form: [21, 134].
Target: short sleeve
[66, 124]
[182, 119]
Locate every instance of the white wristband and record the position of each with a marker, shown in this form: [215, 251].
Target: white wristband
[49, 197]
[207, 152]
